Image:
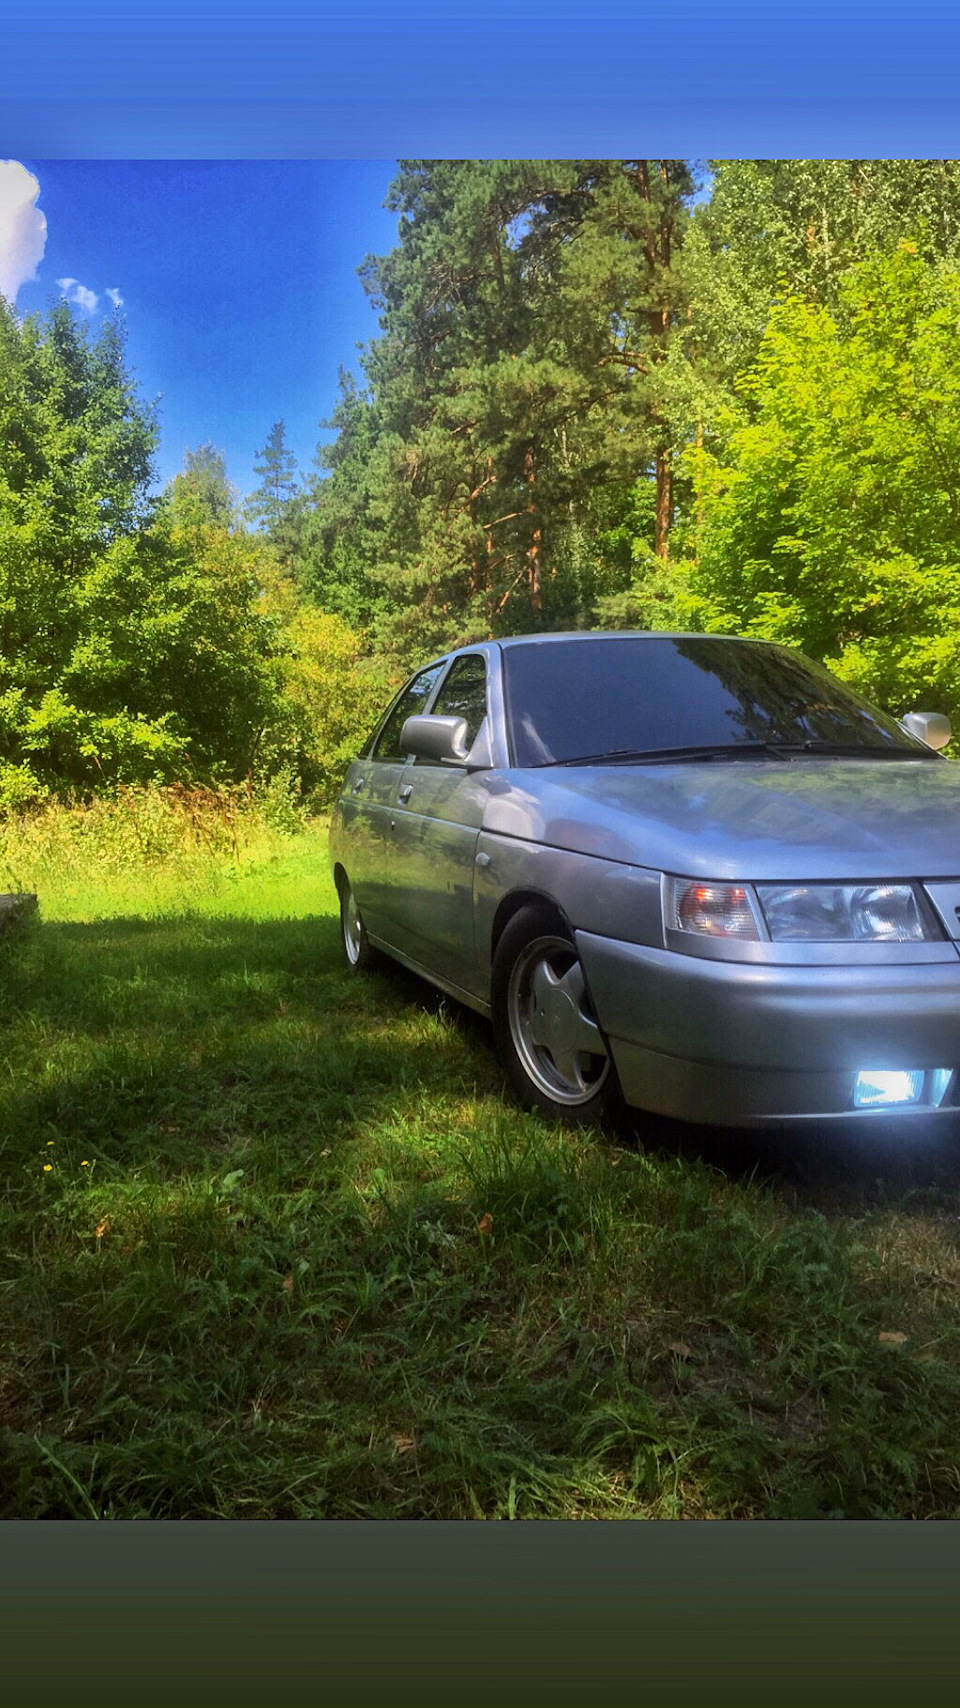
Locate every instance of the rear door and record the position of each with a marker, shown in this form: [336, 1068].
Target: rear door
[441, 811]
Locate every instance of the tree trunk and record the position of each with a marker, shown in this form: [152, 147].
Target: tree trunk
[475, 559]
[658, 251]
[664, 503]
[488, 547]
[665, 248]
[534, 566]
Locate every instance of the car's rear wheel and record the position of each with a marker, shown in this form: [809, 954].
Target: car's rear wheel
[551, 1047]
[357, 949]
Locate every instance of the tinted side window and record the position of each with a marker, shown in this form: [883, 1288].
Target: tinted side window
[411, 701]
[464, 694]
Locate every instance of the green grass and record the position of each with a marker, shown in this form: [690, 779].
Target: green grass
[275, 1244]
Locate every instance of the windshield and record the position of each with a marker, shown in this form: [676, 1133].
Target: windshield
[625, 696]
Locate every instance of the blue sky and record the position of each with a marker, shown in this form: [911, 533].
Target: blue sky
[239, 286]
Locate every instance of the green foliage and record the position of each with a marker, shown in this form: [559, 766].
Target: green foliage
[658, 596]
[778, 228]
[18, 787]
[138, 640]
[75, 454]
[334, 695]
[344, 535]
[164, 838]
[201, 495]
[215, 643]
[831, 517]
[647, 592]
[328, 693]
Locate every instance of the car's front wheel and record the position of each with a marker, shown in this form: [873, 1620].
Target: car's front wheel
[551, 1047]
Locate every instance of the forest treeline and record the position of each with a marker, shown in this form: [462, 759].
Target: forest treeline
[643, 393]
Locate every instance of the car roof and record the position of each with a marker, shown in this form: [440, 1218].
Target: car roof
[621, 634]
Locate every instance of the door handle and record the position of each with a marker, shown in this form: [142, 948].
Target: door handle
[405, 793]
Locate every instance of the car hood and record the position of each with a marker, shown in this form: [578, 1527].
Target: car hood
[762, 819]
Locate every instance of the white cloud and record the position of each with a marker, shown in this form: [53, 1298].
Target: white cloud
[23, 239]
[79, 294]
[23, 228]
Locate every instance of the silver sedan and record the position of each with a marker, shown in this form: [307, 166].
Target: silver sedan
[694, 872]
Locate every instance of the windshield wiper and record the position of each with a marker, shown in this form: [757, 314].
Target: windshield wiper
[656, 755]
[743, 750]
[854, 750]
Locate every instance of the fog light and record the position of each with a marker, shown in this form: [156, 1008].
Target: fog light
[939, 1085]
[876, 1090]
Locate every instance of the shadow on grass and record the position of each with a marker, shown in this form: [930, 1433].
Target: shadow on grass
[817, 1167]
[277, 1297]
[218, 1030]
[206, 1023]
[84, 972]
[161, 1041]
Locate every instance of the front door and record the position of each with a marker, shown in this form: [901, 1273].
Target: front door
[373, 805]
[437, 824]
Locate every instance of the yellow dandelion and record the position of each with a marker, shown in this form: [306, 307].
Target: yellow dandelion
[51, 1142]
[48, 1168]
[84, 1165]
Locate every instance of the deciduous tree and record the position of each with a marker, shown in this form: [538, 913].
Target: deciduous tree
[831, 517]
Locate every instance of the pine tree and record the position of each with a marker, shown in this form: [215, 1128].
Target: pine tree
[526, 320]
[343, 537]
[273, 505]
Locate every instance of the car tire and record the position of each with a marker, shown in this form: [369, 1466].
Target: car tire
[355, 946]
[544, 1025]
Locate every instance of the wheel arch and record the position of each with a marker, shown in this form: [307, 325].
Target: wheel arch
[512, 904]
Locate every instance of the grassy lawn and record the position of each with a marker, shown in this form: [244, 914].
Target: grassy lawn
[274, 1244]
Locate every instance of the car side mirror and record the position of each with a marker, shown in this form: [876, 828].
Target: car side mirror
[444, 740]
[931, 727]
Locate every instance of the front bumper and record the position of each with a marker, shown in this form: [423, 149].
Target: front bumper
[733, 1043]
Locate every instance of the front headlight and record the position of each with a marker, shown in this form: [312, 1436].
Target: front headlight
[844, 913]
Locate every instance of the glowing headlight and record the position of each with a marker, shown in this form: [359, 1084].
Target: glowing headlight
[836, 913]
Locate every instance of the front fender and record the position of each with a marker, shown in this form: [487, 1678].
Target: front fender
[605, 897]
